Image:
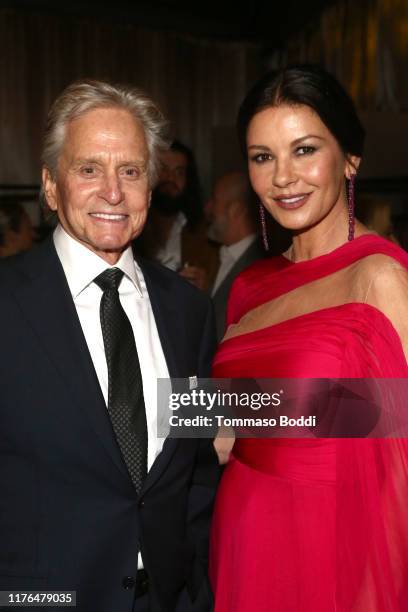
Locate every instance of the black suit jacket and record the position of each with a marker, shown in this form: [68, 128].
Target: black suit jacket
[220, 299]
[70, 518]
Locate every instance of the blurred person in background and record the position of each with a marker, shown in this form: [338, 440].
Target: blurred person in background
[17, 232]
[176, 231]
[233, 224]
[376, 214]
[401, 229]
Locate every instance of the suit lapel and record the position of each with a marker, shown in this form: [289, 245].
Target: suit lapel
[47, 304]
[252, 253]
[166, 315]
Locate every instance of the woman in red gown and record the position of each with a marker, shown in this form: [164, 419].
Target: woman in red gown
[313, 524]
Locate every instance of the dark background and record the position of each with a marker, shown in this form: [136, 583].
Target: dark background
[197, 59]
[269, 23]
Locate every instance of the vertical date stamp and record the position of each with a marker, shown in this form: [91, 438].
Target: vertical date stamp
[37, 599]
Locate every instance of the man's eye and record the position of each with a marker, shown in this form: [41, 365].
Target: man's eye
[260, 158]
[132, 172]
[88, 170]
[305, 150]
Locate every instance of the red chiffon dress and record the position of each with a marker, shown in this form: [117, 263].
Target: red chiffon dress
[315, 525]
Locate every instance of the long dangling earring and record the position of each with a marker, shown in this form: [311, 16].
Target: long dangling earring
[263, 227]
[350, 198]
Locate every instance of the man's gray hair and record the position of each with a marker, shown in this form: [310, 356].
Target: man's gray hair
[86, 95]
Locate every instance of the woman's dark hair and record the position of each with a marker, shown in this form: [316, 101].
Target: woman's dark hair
[311, 86]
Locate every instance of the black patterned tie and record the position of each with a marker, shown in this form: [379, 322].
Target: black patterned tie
[126, 405]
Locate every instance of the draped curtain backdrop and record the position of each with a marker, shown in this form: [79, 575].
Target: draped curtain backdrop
[199, 84]
[365, 44]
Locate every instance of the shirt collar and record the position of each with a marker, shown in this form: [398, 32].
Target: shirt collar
[82, 266]
[180, 219]
[237, 249]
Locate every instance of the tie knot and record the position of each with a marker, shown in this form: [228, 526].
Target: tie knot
[109, 279]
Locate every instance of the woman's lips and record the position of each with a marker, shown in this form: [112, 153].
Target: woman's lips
[292, 202]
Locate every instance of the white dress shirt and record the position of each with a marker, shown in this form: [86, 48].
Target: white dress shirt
[229, 255]
[81, 267]
[170, 254]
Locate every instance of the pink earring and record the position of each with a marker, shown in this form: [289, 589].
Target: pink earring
[350, 198]
[263, 226]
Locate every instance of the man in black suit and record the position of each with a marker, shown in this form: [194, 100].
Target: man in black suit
[90, 499]
[231, 212]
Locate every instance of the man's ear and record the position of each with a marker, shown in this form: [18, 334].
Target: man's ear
[352, 165]
[49, 188]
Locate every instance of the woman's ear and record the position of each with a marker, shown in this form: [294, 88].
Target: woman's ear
[352, 165]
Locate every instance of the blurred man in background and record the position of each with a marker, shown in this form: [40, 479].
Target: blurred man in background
[232, 215]
[17, 233]
[176, 232]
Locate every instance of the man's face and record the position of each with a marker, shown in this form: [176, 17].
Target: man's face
[25, 235]
[173, 174]
[217, 212]
[17, 241]
[101, 190]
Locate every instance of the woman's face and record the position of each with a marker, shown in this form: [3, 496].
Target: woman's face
[296, 166]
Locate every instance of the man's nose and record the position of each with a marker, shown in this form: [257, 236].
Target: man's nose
[111, 190]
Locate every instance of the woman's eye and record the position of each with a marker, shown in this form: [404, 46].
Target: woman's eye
[305, 150]
[260, 158]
